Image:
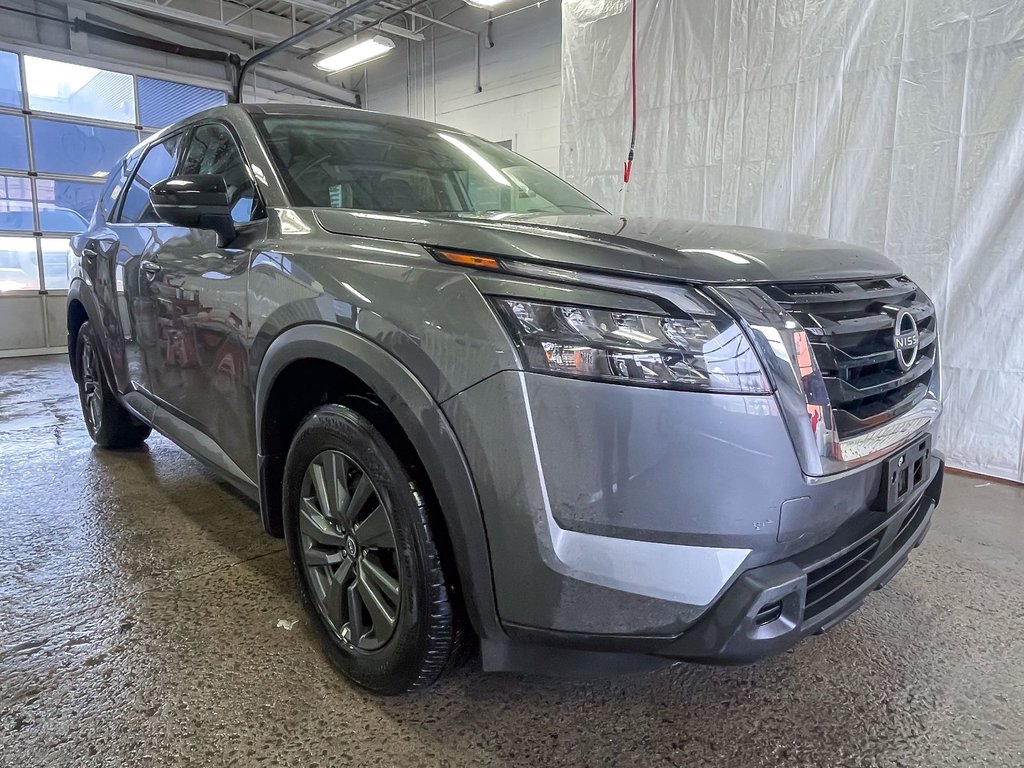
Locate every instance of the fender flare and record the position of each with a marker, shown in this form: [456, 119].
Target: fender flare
[81, 292]
[426, 427]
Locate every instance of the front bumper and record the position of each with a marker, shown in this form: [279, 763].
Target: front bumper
[766, 611]
[771, 608]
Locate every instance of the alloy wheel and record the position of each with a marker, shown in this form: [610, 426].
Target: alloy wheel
[92, 385]
[349, 551]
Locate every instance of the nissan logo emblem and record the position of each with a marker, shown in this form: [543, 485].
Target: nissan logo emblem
[905, 339]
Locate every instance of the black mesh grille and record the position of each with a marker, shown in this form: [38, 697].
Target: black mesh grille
[850, 326]
[830, 583]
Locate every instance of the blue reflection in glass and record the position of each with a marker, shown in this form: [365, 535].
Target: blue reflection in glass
[10, 80]
[83, 150]
[13, 144]
[66, 206]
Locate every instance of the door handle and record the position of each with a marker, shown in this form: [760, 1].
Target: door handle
[150, 268]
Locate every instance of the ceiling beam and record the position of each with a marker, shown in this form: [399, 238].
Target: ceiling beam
[261, 26]
[199, 20]
[386, 27]
[285, 70]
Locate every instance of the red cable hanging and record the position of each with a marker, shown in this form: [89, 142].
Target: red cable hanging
[628, 167]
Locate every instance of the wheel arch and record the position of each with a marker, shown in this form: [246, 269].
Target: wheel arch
[370, 376]
[81, 308]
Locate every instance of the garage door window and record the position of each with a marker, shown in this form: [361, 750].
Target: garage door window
[10, 80]
[60, 136]
[66, 206]
[162, 102]
[76, 148]
[13, 143]
[73, 89]
[19, 267]
[16, 204]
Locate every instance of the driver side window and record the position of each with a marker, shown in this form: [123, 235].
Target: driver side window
[212, 149]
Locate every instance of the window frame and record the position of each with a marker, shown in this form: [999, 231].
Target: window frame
[144, 151]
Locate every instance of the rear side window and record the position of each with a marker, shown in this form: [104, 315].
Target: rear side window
[212, 150]
[157, 164]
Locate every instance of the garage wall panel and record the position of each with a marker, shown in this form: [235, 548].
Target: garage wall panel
[897, 125]
[21, 318]
[520, 79]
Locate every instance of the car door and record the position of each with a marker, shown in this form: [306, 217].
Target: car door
[133, 226]
[197, 290]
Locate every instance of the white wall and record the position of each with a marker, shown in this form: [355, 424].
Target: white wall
[896, 125]
[520, 77]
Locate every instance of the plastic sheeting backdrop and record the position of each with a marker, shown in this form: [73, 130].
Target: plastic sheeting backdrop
[896, 124]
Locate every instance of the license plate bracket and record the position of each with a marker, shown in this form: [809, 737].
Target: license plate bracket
[905, 472]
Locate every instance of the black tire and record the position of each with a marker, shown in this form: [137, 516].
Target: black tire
[426, 637]
[110, 425]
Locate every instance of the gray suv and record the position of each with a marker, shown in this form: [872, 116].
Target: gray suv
[479, 406]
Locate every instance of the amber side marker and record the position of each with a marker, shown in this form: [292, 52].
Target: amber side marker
[469, 260]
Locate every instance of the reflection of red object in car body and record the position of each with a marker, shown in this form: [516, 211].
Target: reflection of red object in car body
[229, 360]
[181, 349]
[175, 333]
[215, 330]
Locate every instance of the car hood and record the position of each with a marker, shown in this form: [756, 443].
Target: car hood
[664, 249]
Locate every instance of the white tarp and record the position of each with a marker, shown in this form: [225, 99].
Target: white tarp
[896, 124]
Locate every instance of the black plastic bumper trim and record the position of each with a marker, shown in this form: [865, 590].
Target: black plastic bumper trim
[729, 633]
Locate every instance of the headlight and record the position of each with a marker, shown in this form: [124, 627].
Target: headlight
[702, 349]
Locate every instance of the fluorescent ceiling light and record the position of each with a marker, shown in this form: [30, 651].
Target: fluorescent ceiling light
[486, 3]
[360, 53]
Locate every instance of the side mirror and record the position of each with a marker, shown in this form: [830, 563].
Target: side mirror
[199, 201]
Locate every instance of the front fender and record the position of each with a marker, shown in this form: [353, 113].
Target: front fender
[426, 427]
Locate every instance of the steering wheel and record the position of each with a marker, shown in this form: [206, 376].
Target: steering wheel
[313, 164]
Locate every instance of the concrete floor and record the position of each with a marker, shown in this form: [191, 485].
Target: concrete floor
[139, 603]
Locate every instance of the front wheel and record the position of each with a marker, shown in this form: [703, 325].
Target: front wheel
[364, 555]
[109, 424]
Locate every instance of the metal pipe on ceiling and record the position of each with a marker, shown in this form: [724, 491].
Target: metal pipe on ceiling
[329, 21]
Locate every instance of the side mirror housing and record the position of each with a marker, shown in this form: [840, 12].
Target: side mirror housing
[198, 201]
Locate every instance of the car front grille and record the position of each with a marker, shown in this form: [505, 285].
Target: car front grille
[850, 326]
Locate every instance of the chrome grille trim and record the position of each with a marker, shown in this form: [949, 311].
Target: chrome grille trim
[831, 441]
[850, 327]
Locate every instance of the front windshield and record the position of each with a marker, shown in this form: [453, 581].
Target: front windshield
[410, 168]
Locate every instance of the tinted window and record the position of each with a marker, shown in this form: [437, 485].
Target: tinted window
[212, 150]
[156, 165]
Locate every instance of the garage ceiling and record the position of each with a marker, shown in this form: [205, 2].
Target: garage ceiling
[262, 21]
[244, 26]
